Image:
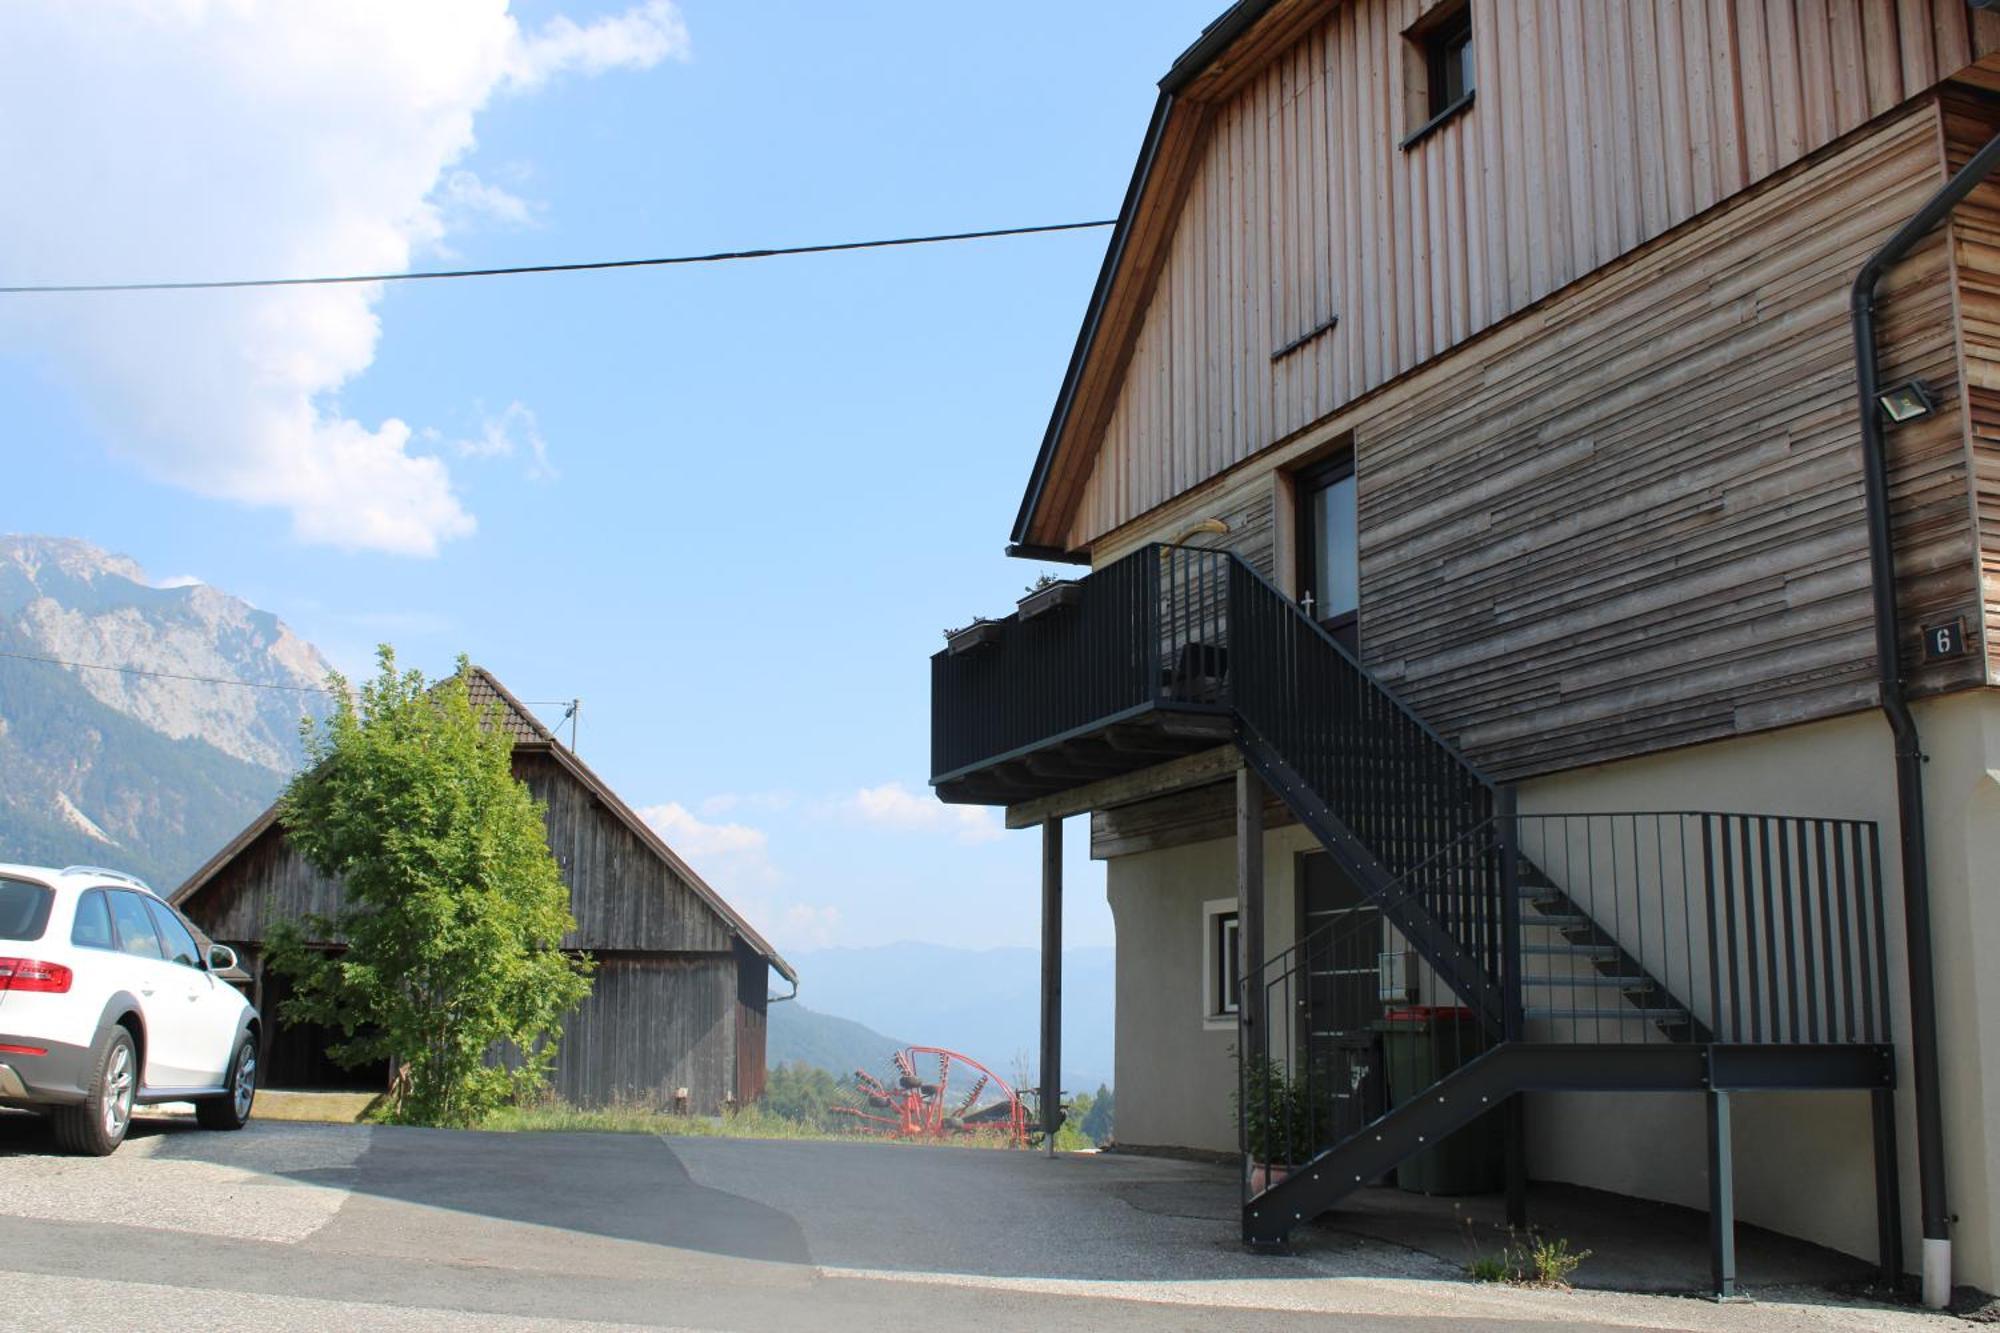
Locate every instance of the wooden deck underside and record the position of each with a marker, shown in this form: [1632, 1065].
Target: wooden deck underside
[1156, 735]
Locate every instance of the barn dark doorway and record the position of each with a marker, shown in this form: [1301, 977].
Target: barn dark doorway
[295, 1053]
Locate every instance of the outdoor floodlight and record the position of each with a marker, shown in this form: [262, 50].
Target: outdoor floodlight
[1908, 401]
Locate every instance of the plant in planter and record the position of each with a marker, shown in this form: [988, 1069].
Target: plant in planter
[976, 635]
[1281, 1125]
[1049, 593]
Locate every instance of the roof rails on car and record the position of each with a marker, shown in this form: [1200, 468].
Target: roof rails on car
[104, 873]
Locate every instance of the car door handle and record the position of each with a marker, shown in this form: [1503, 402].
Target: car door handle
[145, 990]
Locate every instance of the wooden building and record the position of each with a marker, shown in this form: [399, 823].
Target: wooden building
[1465, 420]
[680, 994]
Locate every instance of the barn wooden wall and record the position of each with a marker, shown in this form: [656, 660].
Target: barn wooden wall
[1598, 125]
[622, 895]
[1635, 519]
[650, 1026]
[664, 1008]
[753, 1002]
[1975, 233]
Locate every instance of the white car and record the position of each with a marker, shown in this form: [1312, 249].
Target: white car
[108, 1002]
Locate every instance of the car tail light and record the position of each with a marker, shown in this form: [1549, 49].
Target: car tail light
[26, 974]
[6, 1049]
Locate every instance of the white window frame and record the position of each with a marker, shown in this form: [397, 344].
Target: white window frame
[1218, 1011]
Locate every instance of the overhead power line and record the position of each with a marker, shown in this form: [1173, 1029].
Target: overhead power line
[584, 266]
[167, 675]
[218, 680]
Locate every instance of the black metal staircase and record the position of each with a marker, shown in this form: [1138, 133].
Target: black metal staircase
[1692, 951]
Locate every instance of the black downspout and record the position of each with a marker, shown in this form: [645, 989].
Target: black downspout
[1909, 747]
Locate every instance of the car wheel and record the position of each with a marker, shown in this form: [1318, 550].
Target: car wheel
[233, 1111]
[97, 1126]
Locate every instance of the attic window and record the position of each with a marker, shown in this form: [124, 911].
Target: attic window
[1438, 68]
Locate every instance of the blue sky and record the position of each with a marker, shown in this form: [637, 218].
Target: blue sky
[761, 489]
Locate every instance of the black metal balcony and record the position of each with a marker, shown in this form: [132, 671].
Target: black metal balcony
[1132, 672]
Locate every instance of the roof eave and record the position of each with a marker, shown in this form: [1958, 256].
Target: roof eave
[1086, 339]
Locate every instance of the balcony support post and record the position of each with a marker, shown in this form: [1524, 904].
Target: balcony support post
[1051, 1095]
[1249, 898]
[1721, 1197]
[1888, 1190]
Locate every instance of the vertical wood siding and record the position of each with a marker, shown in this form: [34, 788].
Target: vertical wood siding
[621, 894]
[663, 1009]
[653, 1025]
[1597, 126]
[1635, 519]
[753, 1000]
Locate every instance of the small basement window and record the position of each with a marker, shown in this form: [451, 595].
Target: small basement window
[1222, 962]
[1438, 71]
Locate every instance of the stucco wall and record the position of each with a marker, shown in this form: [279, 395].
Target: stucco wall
[1176, 1072]
[1804, 1162]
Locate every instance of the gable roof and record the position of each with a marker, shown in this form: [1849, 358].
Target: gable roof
[530, 735]
[1239, 42]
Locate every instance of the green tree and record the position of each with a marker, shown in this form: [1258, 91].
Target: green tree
[453, 907]
[1097, 1122]
[802, 1092]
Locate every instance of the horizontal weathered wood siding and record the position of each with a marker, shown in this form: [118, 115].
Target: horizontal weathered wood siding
[1975, 231]
[653, 1025]
[1634, 519]
[1598, 125]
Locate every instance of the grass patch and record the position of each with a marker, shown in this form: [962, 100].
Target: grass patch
[1526, 1260]
[750, 1123]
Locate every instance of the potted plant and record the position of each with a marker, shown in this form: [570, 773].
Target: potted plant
[976, 635]
[1280, 1127]
[1049, 593]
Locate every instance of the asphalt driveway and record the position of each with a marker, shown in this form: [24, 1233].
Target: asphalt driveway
[306, 1226]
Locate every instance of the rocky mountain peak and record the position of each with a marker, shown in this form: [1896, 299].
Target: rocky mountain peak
[68, 599]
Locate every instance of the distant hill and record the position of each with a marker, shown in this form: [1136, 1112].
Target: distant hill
[838, 1045]
[982, 1002]
[148, 773]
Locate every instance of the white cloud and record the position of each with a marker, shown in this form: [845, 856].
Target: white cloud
[637, 39]
[510, 433]
[722, 853]
[465, 199]
[723, 802]
[896, 806]
[215, 138]
[180, 581]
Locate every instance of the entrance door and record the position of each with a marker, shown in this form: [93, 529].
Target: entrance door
[1342, 934]
[1329, 556]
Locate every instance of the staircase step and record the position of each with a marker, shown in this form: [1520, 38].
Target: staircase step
[1572, 950]
[1593, 979]
[1628, 1012]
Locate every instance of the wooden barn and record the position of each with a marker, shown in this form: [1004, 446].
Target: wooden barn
[682, 979]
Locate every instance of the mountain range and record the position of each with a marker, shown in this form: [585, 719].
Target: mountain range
[985, 1003]
[134, 761]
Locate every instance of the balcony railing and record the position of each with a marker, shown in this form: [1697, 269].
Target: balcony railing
[1150, 631]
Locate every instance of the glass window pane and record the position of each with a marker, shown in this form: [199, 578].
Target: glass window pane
[1338, 590]
[180, 945]
[136, 932]
[24, 910]
[92, 928]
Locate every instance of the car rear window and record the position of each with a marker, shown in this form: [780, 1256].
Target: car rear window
[24, 909]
